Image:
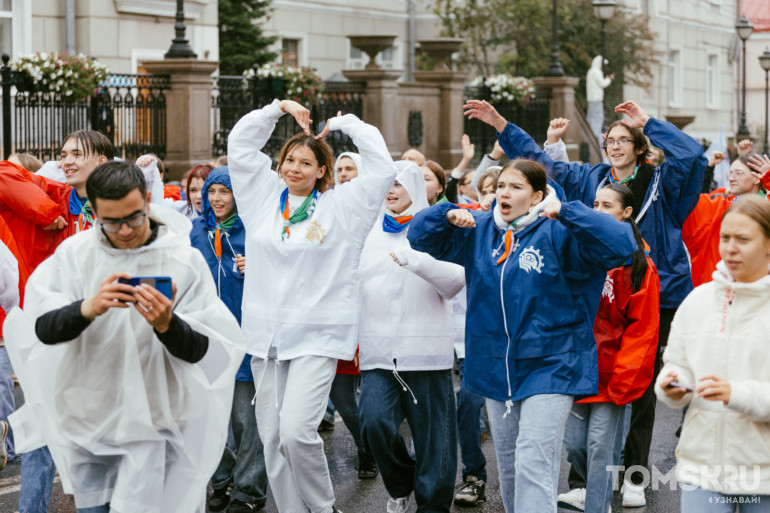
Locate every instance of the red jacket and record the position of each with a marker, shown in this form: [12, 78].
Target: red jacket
[626, 331]
[700, 234]
[7, 237]
[29, 203]
[173, 192]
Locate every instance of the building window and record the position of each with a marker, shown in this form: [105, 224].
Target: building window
[712, 82]
[290, 52]
[6, 27]
[674, 78]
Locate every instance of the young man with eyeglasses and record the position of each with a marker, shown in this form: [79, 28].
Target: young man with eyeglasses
[664, 198]
[136, 414]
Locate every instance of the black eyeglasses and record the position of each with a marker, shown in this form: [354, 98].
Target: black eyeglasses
[134, 221]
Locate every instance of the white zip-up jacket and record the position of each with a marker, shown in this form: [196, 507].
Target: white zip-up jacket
[721, 329]
[407, 322]
[301, 294]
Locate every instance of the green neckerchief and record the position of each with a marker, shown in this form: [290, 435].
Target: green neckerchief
[303, 212]
[625, 180]
[228, 223]
[442, 199]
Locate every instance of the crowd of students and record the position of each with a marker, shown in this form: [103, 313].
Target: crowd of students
[560, 289]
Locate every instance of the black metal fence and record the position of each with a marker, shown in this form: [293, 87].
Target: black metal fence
[233, 96]
[130, 110]
[533, 118]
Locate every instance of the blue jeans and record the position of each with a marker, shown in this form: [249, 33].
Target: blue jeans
[244, 463]
[705, 501]
[383, 406]
[37, 472]
[343, 395]
[593, 437]
[7, 402]
[469, 406]
[528, 446]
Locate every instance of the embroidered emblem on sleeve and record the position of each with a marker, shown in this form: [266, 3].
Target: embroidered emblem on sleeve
[609, 289]
[531, 259]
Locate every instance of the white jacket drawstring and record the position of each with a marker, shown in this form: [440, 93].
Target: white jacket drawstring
[220, 271]
[403, 384]
[508, 402]
[259, 384]
[275, 382]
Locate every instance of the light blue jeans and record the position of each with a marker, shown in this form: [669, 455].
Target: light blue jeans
[528, 445]
[7, 402]
[37, 472]
[705, 501]
[593, 436]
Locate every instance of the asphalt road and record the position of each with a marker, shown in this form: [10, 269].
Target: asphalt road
[370, 496]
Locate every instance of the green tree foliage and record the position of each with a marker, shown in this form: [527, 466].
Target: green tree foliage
[241, 40]
[514, 36]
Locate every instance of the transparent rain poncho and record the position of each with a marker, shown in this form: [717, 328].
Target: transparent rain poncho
[126, 422]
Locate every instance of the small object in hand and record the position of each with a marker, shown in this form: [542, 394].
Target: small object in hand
[679, 385]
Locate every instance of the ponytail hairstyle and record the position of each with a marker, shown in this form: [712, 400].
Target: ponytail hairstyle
[639, 259]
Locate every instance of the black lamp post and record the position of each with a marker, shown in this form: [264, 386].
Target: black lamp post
[555, 68]
[180, 47]
[604, 10]
[764, 61]
[744, 29]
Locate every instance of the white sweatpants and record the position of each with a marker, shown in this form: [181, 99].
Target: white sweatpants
[290, 403]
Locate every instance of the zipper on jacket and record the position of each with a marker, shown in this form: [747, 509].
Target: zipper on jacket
[509, 402]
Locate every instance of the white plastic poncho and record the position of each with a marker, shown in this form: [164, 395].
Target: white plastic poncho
[126, 423]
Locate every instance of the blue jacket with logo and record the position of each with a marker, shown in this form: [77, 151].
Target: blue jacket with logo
[529, 321]
[671, 196]
[227, 276]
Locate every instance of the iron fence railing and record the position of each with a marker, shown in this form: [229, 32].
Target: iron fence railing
[129, 109]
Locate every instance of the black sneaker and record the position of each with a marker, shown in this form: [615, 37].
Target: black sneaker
[367, 468]
[325, 426]
[244, 507]
[220, 499]
[471, 492]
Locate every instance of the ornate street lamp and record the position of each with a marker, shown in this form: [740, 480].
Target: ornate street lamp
[180, 47]
[744, 28]
[764, 61]
[554, 68]
[604, 10]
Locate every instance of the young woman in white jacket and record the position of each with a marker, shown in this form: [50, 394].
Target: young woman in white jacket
[720, 368]
[406, 338]
[300, 302]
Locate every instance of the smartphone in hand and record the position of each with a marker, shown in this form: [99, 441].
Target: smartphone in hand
[679, 385]
[160, 283]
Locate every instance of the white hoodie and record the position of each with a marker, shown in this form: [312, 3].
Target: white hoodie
[596, 82]
[721, 329]
[406, 311]
[301, 294]
[114, 398]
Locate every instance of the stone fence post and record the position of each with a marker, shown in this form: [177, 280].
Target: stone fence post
[188, 112]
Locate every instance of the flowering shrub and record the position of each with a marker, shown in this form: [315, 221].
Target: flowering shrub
[75, 77]
[302, 84]
[508, 89]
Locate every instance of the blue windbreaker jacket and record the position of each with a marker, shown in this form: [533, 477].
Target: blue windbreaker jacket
[671, 196]
[227, 276]
[528, 327]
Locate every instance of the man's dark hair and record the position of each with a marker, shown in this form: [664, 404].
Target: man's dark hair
[92, 143]
[114, 180]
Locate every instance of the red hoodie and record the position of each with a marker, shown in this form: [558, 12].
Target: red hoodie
[7, 237]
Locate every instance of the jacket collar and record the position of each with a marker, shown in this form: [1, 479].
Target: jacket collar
[530, 218]
[722, 276]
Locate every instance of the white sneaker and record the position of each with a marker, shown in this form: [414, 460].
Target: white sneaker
[399, 505]
[633, 495]
[574, 499]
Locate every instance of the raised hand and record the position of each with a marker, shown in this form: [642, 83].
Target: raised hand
[556, 129]
[469, 150]
[481, 110]
[145, 160]
[638, 117]
[298, 112]
[745, 147]
[327, 128]
[240, 260]
[759, 166]
[497, 151]
[716, 158]
[461, 218]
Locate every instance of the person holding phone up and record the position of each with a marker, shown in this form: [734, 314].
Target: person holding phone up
[130, 390]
